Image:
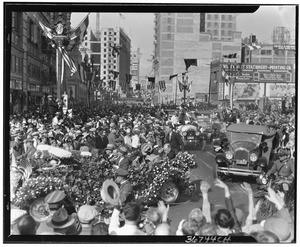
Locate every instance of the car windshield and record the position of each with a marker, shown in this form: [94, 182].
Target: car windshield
[236, 136]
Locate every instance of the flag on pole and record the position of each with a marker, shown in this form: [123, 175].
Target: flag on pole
[190, 62]
[81, 30]
[172, 76]
[69, 61]
[46, 30]
[231, 55]
[189, 86]
[180, 86]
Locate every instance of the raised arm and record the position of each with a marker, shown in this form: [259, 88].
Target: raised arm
[204, 187]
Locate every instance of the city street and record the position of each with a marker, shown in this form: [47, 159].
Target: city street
[205, 162]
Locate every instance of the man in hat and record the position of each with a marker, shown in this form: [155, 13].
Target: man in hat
[86, 214]
[63, 223]
[174, 139]
[101, 140]
[167, 152]
[112, 137]
[127, 139]
[284, 167]
[122, 161]
[126, 191]
[30, 150]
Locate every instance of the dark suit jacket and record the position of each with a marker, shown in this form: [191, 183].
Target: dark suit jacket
[101, 142]
[126, 192]
[176, 141]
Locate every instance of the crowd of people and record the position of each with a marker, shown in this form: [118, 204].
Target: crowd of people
[122, 134]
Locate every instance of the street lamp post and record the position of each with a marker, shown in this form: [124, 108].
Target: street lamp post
[184, 86]
[233, 71]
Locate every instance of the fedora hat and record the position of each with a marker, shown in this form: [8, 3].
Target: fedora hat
[60, 219]
[145, 148]
[110, 192]
[86, 213]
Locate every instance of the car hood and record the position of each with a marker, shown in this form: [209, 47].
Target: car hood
[244, 144]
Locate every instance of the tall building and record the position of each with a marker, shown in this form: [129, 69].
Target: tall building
[32, 62]
[111, 51]
[135, 69]
[200, 36]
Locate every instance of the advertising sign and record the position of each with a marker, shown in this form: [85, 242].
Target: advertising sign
[246, 91]
[265, 73]
[280, 90]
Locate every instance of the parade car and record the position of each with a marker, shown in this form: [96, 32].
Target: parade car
[192, 137]
[245, 151]
[204, 123]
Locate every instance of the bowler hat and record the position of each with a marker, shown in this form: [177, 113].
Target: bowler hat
[60, 219]
[110, 192]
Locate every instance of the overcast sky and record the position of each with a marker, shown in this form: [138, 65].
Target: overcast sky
[139, 27]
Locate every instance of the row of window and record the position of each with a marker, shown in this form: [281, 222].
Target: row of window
[223, 32]
[34, 71]
[16, 65]
[223, 24]
[216, 17]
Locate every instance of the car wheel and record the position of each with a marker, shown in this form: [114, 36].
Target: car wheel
[169, 192]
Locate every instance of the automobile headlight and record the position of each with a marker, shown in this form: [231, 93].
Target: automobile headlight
[253, 157]
[197, 133]
[228, 155]
[184, 133]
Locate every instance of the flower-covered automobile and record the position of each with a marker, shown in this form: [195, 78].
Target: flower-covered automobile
[245, 151]
[192, 137]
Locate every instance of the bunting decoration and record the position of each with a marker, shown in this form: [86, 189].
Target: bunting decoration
[162, 85]
[81, 30]
[115, 49]
[231, 55]
[46, 30]
[152, 80]
[112, 85]
[115, 73]
[190, 62]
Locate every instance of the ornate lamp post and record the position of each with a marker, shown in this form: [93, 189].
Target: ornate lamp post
[61, 28]
[233, 72]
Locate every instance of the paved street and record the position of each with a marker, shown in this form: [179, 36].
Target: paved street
[205, 162]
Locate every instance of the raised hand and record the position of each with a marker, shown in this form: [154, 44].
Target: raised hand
[220, 183]
[247, 188]
[204, 187]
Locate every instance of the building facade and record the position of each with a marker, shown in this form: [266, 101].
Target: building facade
[200, 36]
[32, 62]
[111, 53]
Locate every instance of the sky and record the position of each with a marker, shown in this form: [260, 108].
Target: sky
[139, 27]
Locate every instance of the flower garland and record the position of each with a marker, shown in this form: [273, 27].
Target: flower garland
[147, 180]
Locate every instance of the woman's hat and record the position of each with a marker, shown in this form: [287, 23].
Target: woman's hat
[110, 192]
[39, 210]
[145, 148]
[55, 196]
[60, 219]
[109, 147]
[86, 213]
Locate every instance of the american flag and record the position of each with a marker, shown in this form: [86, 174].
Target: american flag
[68, 60]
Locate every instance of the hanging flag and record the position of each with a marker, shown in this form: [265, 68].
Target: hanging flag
[231, 55]
[172, 76]
[162, 85]
[190, 62]
[69, 61]
[81, 30]
[225, 76]
[180, 86]
[46, 30]
[252, 46]
[189, 86]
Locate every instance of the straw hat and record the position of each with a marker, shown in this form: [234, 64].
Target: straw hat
[86, 213]
[145, 148]
[110, 192]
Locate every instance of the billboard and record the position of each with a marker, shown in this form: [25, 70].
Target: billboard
[280, 90]
[246, 91]
[275, 73]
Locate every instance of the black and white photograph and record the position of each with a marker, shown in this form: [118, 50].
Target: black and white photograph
[149, 122]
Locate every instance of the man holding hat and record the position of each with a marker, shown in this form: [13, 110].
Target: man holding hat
[126, 191]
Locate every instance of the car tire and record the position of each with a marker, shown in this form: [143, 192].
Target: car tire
[169, 192]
